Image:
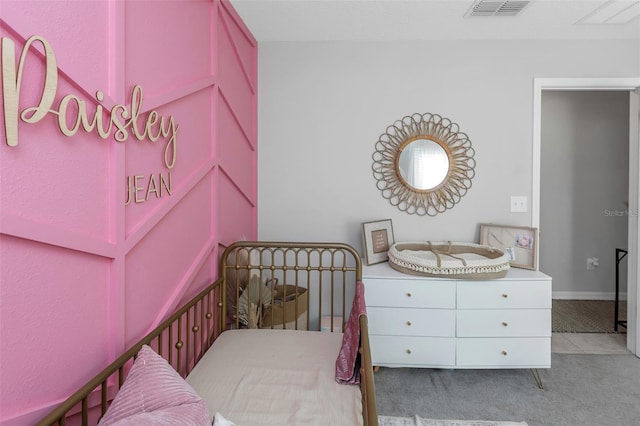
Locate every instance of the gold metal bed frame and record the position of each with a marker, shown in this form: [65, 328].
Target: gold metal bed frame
[325, 270]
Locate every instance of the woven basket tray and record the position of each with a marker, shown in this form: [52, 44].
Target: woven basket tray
[449, 259]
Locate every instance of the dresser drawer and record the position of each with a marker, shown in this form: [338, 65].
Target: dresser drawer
[412, 321]
[410, 293]
[532, 352]
[413, 351]
[504, 294]
[504, 323]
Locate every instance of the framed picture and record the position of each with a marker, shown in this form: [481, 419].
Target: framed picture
[377, 237]
[519, 242]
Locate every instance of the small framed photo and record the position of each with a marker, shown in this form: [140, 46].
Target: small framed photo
[519, 242]
[377, 237]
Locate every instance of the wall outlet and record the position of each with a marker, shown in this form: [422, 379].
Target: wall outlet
[518, 204]
[592, 263]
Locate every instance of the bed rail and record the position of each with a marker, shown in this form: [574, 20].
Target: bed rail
[367, 383]
[182, 339]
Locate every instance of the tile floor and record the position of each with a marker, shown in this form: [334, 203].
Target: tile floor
[589, 343]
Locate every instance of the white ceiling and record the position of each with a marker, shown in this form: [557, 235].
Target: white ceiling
[313, 20]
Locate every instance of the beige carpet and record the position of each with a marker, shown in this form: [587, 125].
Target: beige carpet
[586, 316]
[419, 421]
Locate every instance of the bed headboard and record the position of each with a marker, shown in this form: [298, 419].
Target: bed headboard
[317, 280]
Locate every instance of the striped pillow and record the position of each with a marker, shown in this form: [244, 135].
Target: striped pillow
[154, 393]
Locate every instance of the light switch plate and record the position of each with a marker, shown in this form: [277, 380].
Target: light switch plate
[519, 204]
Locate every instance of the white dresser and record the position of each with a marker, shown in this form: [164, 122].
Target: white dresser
[428, 322]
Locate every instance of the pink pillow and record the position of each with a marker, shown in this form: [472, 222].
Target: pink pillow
[154, 393]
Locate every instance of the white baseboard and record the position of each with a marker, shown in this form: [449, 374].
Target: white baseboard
[587, 295]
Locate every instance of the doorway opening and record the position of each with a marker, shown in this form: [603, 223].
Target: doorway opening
[585, 188]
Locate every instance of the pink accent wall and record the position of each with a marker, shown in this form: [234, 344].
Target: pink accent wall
[82, 275]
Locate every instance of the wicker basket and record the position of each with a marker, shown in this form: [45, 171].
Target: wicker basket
[449, 260]
[288, 301]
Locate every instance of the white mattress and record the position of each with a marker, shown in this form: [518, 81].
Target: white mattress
[276, 377]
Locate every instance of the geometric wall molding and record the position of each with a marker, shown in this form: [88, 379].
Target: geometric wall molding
[110, 271]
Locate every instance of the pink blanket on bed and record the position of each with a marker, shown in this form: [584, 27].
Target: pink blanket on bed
[348, 361]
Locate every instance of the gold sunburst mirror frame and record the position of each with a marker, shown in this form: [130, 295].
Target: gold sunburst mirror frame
[423, 164]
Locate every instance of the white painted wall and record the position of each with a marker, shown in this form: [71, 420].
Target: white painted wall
[323, 105]
[584, 188]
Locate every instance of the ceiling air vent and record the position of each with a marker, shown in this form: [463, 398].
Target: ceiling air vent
[497, 8]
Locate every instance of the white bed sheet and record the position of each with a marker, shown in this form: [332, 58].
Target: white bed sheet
[276, 377]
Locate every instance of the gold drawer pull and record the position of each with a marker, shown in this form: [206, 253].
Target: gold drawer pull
[505, 295]
[408, 294]
[409, 351]
[504, 324]
[504, 353]
[409, 323]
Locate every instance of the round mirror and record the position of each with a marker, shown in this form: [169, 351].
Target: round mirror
[423, 164]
